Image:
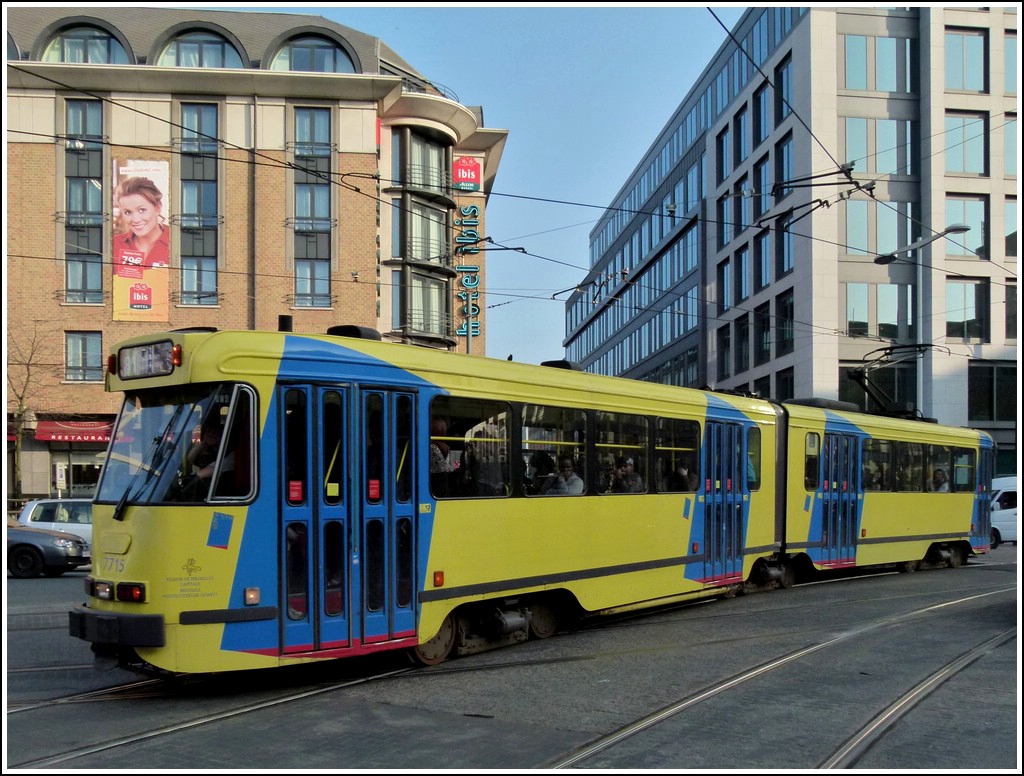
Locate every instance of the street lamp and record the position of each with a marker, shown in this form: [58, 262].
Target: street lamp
[889, 258]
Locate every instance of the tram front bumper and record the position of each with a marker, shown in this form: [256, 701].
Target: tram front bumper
[123, 630]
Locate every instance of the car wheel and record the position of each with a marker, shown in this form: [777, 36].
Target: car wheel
[24, 562]
[994, 539]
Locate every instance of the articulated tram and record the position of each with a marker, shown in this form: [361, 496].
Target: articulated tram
[275, 498]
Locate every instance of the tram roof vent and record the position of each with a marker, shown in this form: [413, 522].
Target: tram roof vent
[199, 329]
[562, 363]
[356, 332]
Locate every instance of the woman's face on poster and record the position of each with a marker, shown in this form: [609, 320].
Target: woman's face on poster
[139, 214]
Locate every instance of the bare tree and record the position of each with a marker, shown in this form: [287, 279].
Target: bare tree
[33, 374]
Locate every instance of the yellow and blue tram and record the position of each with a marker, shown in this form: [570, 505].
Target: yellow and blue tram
[274, 498]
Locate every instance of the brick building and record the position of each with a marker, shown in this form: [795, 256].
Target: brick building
[293, 166]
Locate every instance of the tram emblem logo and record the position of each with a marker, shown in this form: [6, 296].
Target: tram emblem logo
[191, 567]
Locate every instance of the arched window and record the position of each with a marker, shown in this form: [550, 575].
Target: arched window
[313, 54]
[89, 45]
[199, 49]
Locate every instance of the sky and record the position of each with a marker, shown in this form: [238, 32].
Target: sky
[583, 91]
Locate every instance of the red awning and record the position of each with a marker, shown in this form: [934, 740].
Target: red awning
[73, 431]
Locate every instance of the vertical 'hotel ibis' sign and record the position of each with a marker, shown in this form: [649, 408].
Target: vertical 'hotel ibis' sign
[466, 173]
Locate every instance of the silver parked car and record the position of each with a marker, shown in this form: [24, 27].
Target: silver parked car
[72, 515]
[35, 551]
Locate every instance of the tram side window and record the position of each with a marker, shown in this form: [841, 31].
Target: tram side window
[910, 467]
[295, 447]
[753, 458]
[554, 447]
[621, 446]
[963, 474]
[812, 461]
[938, 469]
[677, 455]
[877, 462]
[469, 448]
[332, 435]
[235, 480]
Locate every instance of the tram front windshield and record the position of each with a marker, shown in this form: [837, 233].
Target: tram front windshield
[173, 444]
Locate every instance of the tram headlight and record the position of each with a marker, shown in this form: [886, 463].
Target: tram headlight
[104, 591]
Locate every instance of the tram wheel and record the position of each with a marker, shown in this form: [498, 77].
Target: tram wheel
[437, 649]
[909, 566]
[956, 557]
[543, 620]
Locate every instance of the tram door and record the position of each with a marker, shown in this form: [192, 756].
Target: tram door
[346, 516]
[725, 484]
[840, 488]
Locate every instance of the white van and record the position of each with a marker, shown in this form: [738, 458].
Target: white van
[73, 515]
[1004, 510]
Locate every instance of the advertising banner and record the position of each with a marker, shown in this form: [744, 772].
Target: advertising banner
[142, 247]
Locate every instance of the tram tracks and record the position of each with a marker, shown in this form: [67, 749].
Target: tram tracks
[860, 741]
[850, 745]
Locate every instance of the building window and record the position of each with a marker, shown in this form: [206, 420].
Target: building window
[856, 62]
[198, 280]
[785, 322]
[1010, 146]
[783, 90]
[896, 312]
[741, 130]
[691, 309]
[992, 392]
[83, 217]
[313, 54]
[85, 45]
[762, 334]
[1010, 227]
[857, 309]
[724, 152]
[724, 287]
[857, 226]
[312, 202]
[429, 313]
[725, 223]
[199, 128]
[742, 326]
[762, 187]
[428, 240]
[763, 246]
[967, 306]
[1010, 63]
[972, 211]
[966, 58]
[741, 194]
[898, 382]
[84, 279]
[762, 115]
[785, 384]
[1011, 309]
[426, 167]
[724, 337]
[199, 204]
[783, 168]
[785, 246]
[895, 147]
[966, 140]
[83, 356]
[312, 283]
[199, 49]
[742, 275]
